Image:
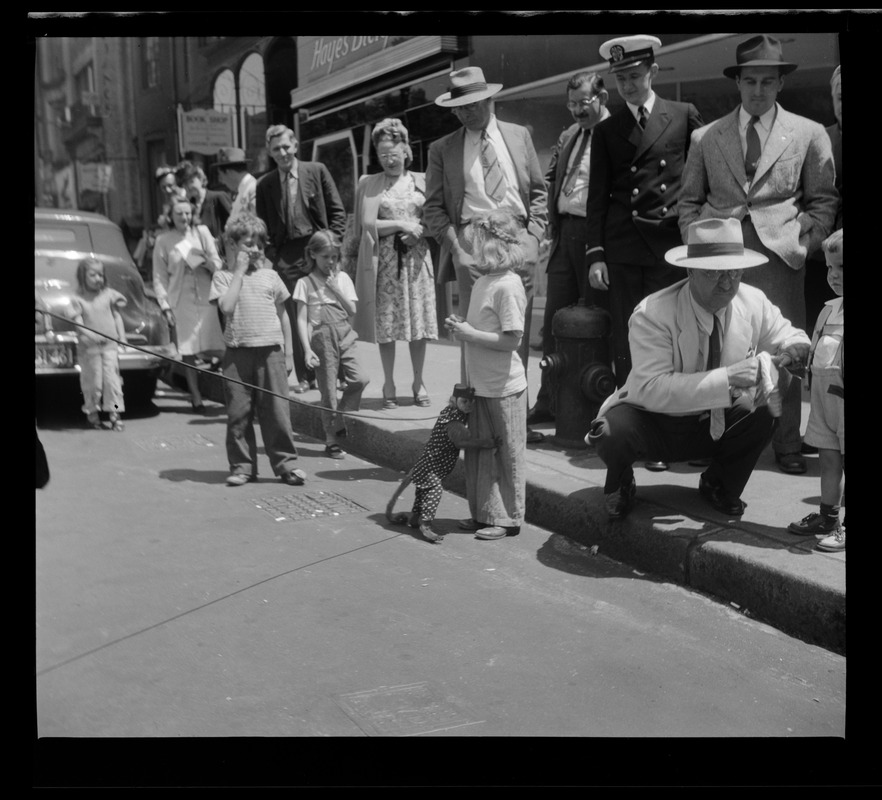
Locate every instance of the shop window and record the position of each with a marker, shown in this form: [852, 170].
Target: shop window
[338, 153]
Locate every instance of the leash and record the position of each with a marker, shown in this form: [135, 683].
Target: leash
[221, 376]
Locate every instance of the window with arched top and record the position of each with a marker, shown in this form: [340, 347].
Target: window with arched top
[243, 94]
[225, 92]
[252, 104]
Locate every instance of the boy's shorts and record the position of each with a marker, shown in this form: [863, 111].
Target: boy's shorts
[826, 424]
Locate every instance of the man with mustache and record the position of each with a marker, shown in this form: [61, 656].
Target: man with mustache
[567, 179]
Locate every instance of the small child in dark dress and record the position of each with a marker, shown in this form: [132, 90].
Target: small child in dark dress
[437, 461]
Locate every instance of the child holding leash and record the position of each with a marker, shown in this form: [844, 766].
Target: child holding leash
[495, 479]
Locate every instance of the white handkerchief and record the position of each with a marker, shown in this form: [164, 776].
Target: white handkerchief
[184, 247]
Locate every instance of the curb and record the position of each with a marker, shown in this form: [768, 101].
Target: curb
[730, 563]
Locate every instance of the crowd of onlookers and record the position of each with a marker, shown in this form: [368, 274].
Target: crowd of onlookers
[695, 238]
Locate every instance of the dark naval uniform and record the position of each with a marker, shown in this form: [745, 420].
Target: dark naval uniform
[632, 207]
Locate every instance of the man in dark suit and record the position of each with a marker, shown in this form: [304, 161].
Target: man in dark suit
[637, 157]
[567, 179]
[636, 160]
[309, 202]
[456, 188]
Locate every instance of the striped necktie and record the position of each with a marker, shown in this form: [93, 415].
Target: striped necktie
[577, 161]
[494, 180]
[641, 119]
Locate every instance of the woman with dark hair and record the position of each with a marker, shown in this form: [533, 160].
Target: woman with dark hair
[394, 279]
[211, 208]
[168, 191]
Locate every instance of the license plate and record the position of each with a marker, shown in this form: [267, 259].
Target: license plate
[57, 354]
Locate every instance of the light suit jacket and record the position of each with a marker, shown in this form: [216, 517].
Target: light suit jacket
[665, 345]
[792, 201]
[445, 188]
[368, 195]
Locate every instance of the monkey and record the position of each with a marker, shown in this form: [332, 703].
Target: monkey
[436, 462]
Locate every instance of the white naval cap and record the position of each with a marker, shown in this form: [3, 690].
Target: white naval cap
[628, 51]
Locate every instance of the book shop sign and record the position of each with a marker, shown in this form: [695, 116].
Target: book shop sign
[205, 130]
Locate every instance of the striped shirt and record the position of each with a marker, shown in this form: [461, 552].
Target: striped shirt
[255, 319]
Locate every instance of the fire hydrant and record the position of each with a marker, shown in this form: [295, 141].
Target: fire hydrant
[579, 375]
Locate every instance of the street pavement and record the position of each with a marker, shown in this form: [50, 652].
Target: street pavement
[170, 605]
[752, 563]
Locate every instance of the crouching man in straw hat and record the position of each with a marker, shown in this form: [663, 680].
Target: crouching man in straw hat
[704, 382]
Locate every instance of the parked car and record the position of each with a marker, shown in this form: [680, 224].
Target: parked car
[62, 238]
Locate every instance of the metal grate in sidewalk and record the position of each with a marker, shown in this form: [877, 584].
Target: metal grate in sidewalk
[307, 505]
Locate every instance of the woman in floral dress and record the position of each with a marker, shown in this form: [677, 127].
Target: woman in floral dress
[394, 278]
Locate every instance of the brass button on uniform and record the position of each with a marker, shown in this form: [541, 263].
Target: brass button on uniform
[635, 192]
[633, 213]
[633, 169]
[662, 188]
[662, 163]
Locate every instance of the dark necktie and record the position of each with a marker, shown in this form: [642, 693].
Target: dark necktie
[713, 350]
[641, 119]
[754, 150]
[718, 415]
[574, 169]
[494, 180]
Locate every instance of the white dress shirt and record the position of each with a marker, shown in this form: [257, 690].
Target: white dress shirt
[475, 200]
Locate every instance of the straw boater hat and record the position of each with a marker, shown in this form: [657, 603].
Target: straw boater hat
[467, 86]
[629, 51]
[231, 157]
[759, 51]
[714, 244]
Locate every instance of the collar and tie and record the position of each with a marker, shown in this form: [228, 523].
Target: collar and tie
[494, 180]
[754, 148]
[641, 117]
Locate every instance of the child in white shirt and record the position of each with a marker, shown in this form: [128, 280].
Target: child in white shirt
[326, 303]
[826, 425]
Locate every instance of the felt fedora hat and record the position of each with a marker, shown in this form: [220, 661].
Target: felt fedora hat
[629, 51]
[714, 244]
[759, 51]
[231, 157]
[467, 85]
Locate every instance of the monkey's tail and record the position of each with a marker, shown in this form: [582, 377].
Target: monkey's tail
[401, 518]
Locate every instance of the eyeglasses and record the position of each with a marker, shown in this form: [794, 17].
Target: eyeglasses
[586, 103]
[716, 275]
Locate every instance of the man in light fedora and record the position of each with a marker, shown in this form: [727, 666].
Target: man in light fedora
[485, 165]
[704, 377]
[231, 168]
[773, 171]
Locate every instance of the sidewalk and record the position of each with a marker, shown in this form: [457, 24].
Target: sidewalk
[753, 563]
